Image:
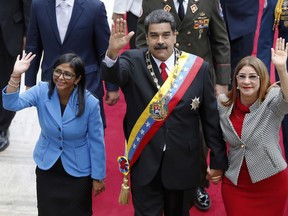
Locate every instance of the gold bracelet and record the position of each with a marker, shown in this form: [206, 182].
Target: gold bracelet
[15, 86]
[11, 79]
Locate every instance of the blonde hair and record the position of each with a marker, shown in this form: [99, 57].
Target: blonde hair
[262, 72]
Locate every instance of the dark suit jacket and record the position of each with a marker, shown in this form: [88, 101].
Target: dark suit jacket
[87, 36]
[14, 17]
[266, 33]
[212, 44]
[241, 16]
[180, 132]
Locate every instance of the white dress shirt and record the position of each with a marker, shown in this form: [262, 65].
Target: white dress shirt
[170, 62]
[70, 4]
[185, 5]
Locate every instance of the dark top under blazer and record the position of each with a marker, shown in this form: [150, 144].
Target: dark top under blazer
[180, 132]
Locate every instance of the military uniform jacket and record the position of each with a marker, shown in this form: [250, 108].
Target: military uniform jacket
[259, 142]
[202, 32]
[180, 132]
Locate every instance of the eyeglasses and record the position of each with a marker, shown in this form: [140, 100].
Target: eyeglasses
[252, 77]
[66, 74]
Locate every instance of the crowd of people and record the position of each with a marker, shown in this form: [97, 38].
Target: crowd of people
[191, 87]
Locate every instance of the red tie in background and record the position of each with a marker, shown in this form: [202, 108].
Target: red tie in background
[164, 74]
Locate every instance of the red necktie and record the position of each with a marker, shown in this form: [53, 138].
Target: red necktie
[164, 74]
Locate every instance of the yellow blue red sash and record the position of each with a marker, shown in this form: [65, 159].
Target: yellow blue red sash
[146, 126]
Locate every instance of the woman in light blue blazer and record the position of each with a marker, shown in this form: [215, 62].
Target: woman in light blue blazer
[70, 151]
[256, 181]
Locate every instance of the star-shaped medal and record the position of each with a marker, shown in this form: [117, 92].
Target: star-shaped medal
[195, 103]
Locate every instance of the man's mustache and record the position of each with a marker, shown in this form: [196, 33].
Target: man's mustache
[160, 46]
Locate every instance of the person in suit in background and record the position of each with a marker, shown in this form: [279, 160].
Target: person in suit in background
[69, 164]
[14, 19]
[163, 146]
[274, 10]
[250, 118]
[78, 26]
[132, 9]
[202, 32]
[241, 21]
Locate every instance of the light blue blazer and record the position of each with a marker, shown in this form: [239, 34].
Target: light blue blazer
[79, 142]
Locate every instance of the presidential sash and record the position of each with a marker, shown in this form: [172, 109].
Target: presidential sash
[155, 114]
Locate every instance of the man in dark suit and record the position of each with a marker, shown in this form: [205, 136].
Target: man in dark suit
[163, 146]
[241, 20]
[14, 18]
[201, 32]
[86, 33]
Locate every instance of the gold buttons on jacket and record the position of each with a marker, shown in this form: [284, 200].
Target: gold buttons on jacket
[188, 32]
[242, 146]
[177, 45]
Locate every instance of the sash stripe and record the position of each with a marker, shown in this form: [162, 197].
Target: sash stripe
[146, 127]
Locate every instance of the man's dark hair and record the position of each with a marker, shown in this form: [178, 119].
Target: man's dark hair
[159, 16]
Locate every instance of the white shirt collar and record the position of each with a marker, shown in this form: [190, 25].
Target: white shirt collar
[69, 2]
[177, 3]
[185, 5]
[170, 62]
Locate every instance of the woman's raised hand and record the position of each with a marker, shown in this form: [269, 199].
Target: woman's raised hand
[279, 54]
[22, 63]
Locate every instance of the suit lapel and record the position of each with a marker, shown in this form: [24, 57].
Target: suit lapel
[192, 5]
[189, 12]
[156, 71]
[76, 13]
[51, 14]
[53, 108]
[247, 130]
[229, 111]
[71, 108]
[168, 5]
